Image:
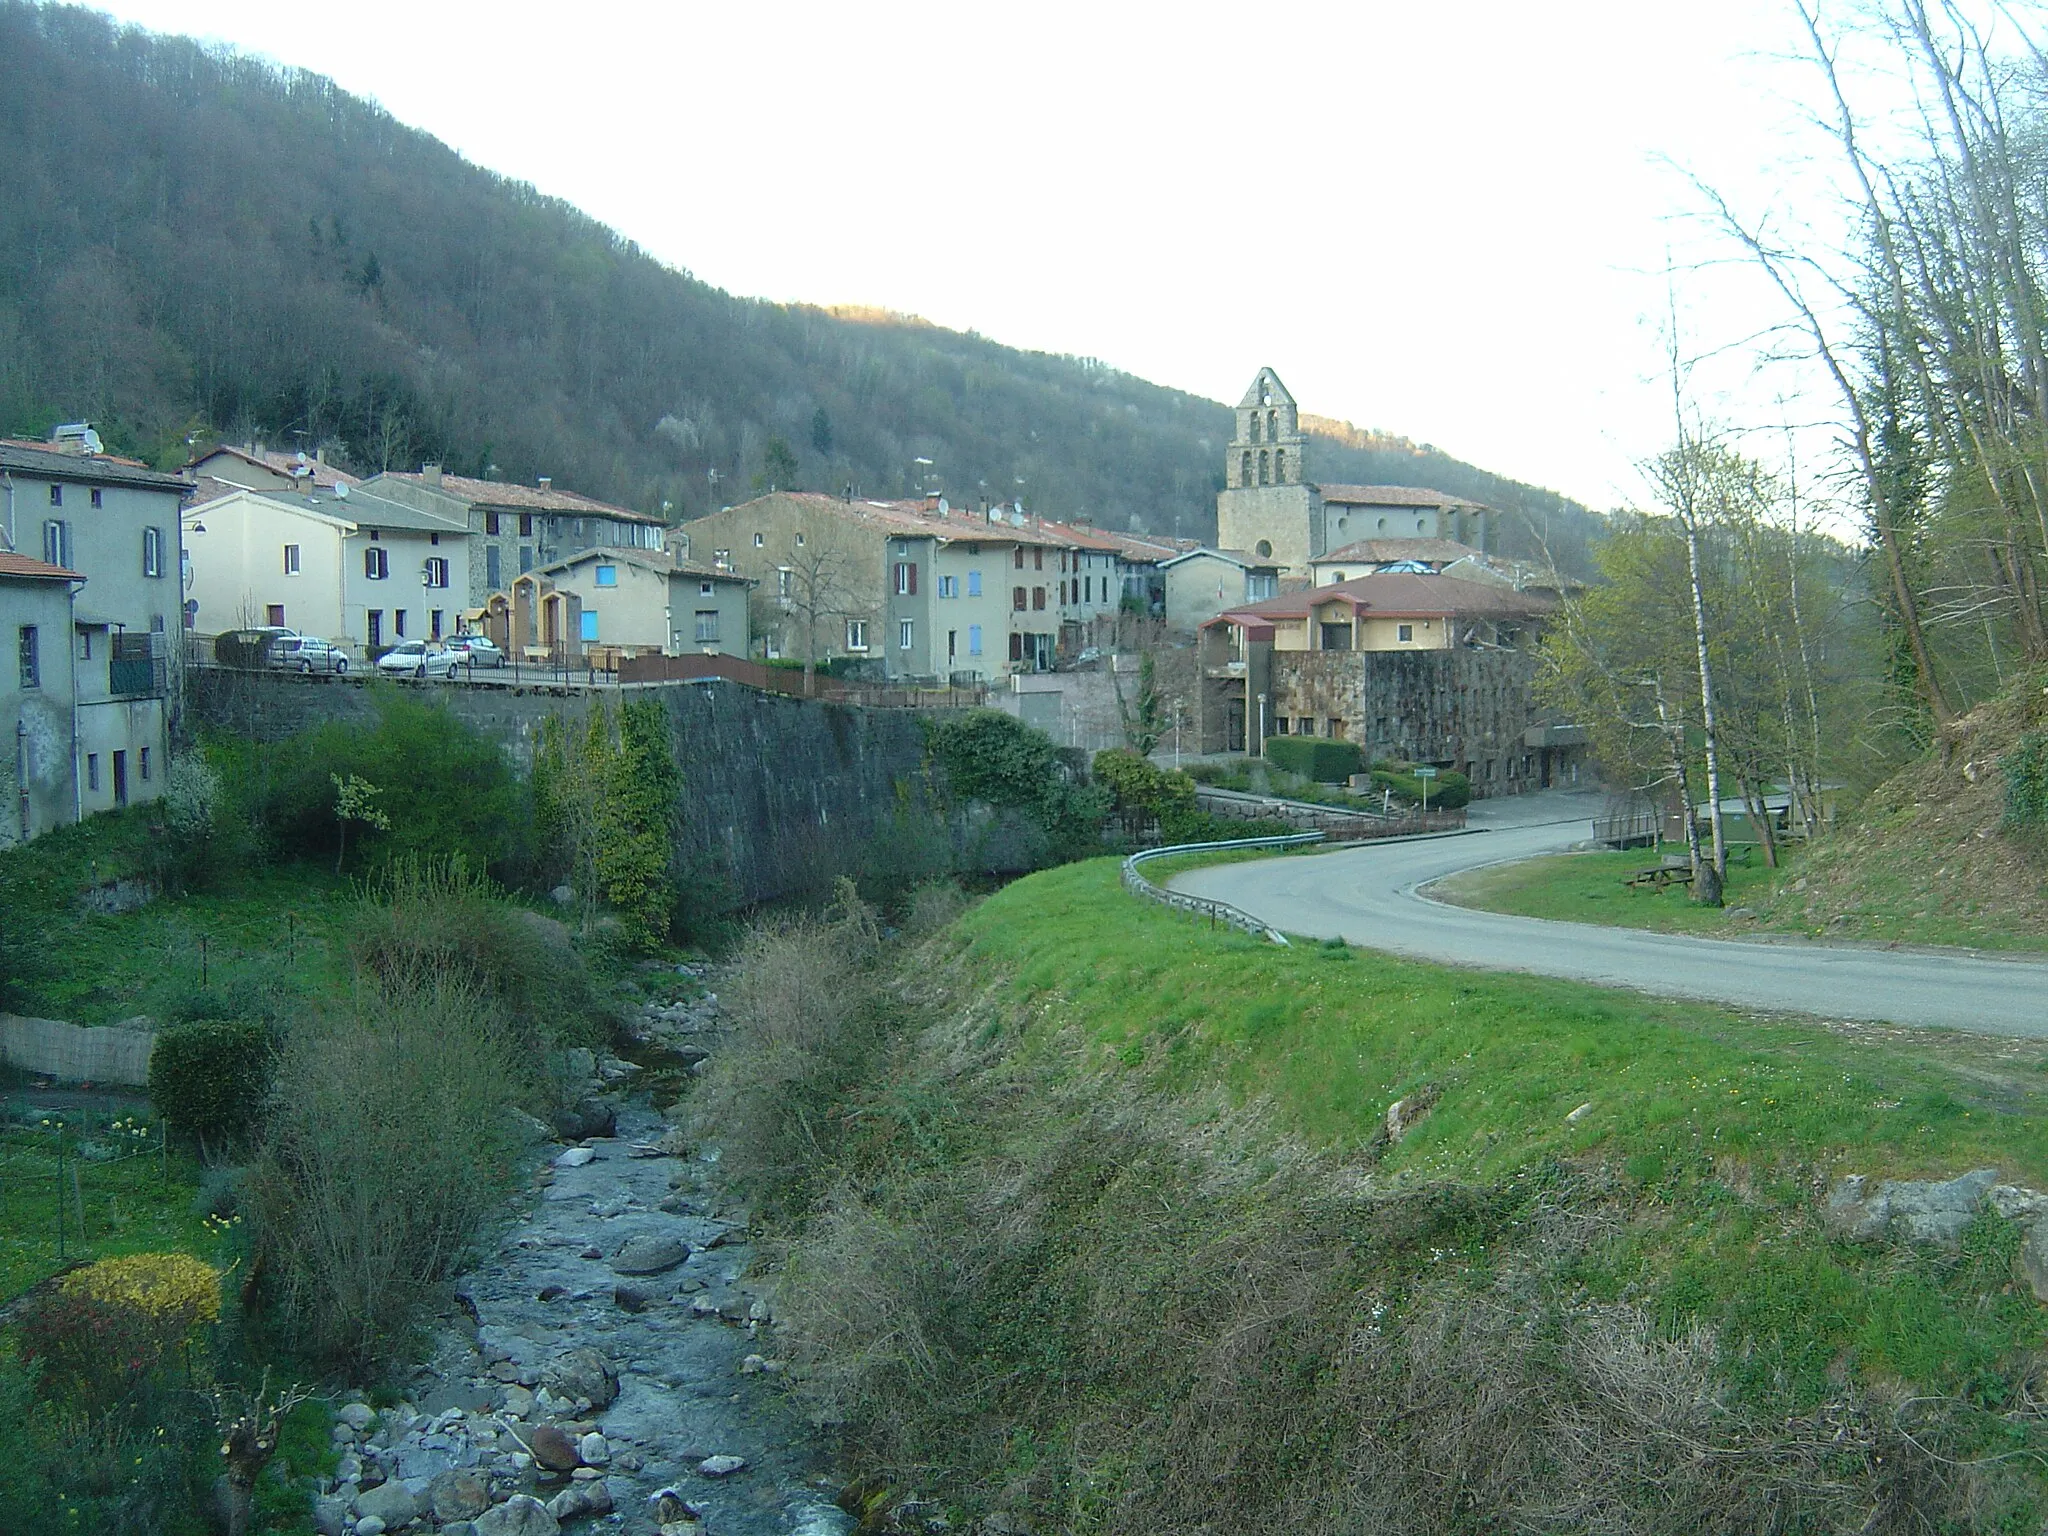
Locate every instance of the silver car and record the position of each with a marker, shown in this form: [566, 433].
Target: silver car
[306, 653]
[476, 650]
[414, 658]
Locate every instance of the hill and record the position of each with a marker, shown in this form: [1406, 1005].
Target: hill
[194, 242]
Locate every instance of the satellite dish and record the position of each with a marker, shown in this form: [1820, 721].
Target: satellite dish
[340, 491]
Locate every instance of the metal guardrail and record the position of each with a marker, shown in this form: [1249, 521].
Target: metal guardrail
[1216, 911]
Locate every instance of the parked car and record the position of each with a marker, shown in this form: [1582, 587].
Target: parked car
[306, 653]
[477, 650]
[415, 658]
[250, 647]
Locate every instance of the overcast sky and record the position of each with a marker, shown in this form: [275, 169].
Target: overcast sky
[1450, 222]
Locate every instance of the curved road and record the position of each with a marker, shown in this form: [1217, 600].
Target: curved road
[1368, 895]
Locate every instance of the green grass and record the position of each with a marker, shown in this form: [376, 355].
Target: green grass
[1593, 888]
[1714, 1131]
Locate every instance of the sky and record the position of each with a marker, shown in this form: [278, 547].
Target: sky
[1453, 223]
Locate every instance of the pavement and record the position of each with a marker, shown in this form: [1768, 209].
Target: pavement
[1371, 895]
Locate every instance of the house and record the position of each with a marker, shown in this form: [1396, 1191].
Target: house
[620, 603]
[1413, 666]
[350, 566]
[38, 683]
[1270, 506]
[113, 523]
[1202, 583]
[1442, 557]
[917, 589]
[514, 529]
[255, 467]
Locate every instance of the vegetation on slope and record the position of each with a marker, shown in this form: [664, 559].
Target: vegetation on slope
[1108, 1235]
[194, 241]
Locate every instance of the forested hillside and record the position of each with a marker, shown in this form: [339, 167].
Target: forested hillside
[197, 242]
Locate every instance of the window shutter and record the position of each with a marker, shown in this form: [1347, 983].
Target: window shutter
[913, 580]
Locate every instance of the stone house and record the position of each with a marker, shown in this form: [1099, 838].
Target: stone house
[349, 566]
[38, 683]
[255, 467]
[514, 529]
[1270, 507]
[621, 602]
[113, 522]
[1204, 582]
[1413, 666]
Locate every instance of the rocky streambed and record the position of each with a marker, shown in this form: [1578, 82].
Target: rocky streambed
[612, 1369]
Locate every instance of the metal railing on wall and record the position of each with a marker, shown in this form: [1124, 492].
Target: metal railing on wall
[1218, 912]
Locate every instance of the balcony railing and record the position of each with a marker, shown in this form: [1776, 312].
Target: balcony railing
[137, 667]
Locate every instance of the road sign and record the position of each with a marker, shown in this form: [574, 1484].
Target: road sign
[1425, 773]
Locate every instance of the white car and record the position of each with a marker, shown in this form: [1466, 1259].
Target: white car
[415, 658]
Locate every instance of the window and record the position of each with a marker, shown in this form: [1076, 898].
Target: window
[398, 622]
[1087, 589]
[494, 567]
[376, 626]
[1019, 601]
[706, 588]
[120, 778]
[377, 564]
[1265, 467]
[97, 499]
[1404, 633]
[92, 771]
[906, 634]
[783, 577]
[437, 570]
[152, 551]
[526, 525]
[1038, 559]
[721, 559]
[906, 579]
[490, 522]
[799, 541]
[57, 542]
[974, 639]
[145, 762]
[525, 558]
[707, 626]
[291, 559]
[1020, 557]
[758, 541]
[434, 624]
[84, 643]
[589, 630]
[56, 495]
[1255, 426]
[1038, 597]
[1244, 470]
[1279, 466]
[433, 538]
[607, 575]
[273, 615]
[856, 634]
[31, 658]
[974, 583]
[949, 586]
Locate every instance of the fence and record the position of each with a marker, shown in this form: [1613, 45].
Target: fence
[107, 1053]
[1334, 822]
[76, 1173]
[790, 681]
[1216, 911]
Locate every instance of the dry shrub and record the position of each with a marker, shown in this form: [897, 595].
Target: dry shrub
[932, 906]
[804, 1021]
[389, 1149]
[1068, 1306]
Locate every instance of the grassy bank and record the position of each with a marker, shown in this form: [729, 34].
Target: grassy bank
[1593, 888]
[1108, 1235]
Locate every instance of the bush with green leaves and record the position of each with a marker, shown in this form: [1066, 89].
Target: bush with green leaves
[992, 757]
[1321, 758]
[604, 811]
[2026, 780]
[208, 1079]
[1145, 795]
[1447, 791]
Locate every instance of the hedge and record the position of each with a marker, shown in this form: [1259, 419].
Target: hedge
[1447, 791]
[1314, 757]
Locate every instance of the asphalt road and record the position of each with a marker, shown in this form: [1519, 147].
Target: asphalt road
[1368, 895]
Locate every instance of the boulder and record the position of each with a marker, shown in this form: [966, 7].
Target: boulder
[553, 1448]
[575, 1157]
[580, 1499]
[582, 1373]
[520, 1515]
[1925, 1210]
[330, 1516]
[2034, 1259]
[370, 1525]
[632, 1298]
[356, 1416]
[390, 1502]
[458, 1494]
[649, 1254]
[586, 1118]
[721, 1466]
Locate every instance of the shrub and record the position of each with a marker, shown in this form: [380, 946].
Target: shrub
[995, 758]
[1314, 757]
[388, 1151]
[1143, 794]
[1447, 791]
[208, 1079]
[2026, 780]
[95, 1335]
[932, 906]
[604, 809]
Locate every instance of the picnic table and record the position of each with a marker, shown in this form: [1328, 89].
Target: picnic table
[1668, 871]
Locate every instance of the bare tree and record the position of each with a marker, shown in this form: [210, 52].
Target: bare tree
[829, 578]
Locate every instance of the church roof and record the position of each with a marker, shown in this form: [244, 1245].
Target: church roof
[1382, 551]
[1397, 595]
[1393, 496]
[1267, 383]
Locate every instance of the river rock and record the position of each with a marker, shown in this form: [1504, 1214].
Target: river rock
[649, 1254]
[575, 1157]
[458, 1494]
[632, 1298]
[1926, 1210]
[721, 1466]
[594, 1449]
[330, 1516]
[582, 1373]
[553, 1448]
[356, 1416]
[391, 1502]
[586, 1118]
[370, 1525]
[520, 1515]
[580, 1499]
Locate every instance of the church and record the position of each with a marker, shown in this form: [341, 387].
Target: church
[1271, 508]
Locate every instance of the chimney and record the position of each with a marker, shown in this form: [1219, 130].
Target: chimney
[931, 501]
[547, 482]
[319, 455]
[431, 473]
